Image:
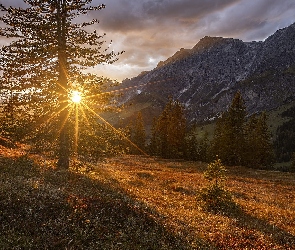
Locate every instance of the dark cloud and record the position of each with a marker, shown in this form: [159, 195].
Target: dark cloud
[252, 20]
[152, 30]
[129, 16]
[157, 29]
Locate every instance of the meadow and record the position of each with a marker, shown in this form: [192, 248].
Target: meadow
[135, 202]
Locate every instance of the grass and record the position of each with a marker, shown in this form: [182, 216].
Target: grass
[134, 202]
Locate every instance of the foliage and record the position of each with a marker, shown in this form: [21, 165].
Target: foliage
[215, 173]
[196, 148]
[285, 137]
[138, 134]
[217, 200]
[45, 61]
[259, 147]
[229, 137]
[215, 197]
[293, 163]
[240, 142]
[168, 131]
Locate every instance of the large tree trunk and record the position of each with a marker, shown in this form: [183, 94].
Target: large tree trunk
[64, 140]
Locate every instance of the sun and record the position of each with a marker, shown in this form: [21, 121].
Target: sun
[76, 96]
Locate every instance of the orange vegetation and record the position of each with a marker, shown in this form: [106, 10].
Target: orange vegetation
[134, 202]
[266, 219]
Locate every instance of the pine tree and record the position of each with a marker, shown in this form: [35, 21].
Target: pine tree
[229, 138]
[46, 58]
[265, 149]
[215, 197]
[259, 145]
[292, 168]
[251, 159]
[154, 145]
[138, 133]
[196, 147]
[168, 133]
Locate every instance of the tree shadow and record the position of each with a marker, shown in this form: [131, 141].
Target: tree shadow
[50, 209]
[245, 220]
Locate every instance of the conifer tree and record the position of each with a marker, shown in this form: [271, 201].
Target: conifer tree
[46, 57]
[251, 159]
[229, 138]
[154, 145]
[260, 151]
[169, 130]
[196, 146]
[138, 132]
[292, 168]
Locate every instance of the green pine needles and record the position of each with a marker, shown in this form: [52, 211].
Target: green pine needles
[215, 198]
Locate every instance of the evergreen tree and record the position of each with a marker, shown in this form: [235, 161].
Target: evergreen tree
[196, 147]
[265, 149]
[259, 145]
[292, 168]
[45, 62]
[169, 130]
[215, 197]
[138, 133]
[229, 138]
[251, 159]
[284, 143]
[154, 145]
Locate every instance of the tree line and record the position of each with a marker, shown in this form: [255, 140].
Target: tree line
[237, 140]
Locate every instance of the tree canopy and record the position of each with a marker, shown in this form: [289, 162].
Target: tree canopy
[45, 62]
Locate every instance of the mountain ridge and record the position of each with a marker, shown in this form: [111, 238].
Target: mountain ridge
[205, 77]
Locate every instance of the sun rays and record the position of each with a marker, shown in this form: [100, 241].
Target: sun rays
[75, 96]
[82, 105]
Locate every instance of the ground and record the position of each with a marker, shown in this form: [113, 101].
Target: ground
[134, 202]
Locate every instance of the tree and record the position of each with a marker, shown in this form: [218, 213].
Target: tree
[196, 146]
[46, 59]
[292, 168]
[168, 132]
[259, 147]
[138, 135]
[215, 197]
[229, 137]
[284, 142]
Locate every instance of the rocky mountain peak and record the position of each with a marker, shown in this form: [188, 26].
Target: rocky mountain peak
[206, 77]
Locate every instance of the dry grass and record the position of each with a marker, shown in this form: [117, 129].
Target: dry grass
[134, 202]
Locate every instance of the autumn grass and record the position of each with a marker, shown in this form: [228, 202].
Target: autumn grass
[135, 202]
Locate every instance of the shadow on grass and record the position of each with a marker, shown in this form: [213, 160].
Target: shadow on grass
[245, 220]
[278, 235]
[49, 209]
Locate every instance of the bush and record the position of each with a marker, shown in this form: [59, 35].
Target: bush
[215, 198]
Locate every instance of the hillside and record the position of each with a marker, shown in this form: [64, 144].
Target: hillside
[133, 202]
[205, 77]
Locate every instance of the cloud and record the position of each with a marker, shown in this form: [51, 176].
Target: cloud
[153, 30]
[252, 20]
[156, 29]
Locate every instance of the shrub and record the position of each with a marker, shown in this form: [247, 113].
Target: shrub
[215, 198]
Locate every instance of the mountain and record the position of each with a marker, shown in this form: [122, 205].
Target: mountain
[206, 77]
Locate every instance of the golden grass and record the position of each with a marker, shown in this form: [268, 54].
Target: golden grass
[134, 202]
[266, 219]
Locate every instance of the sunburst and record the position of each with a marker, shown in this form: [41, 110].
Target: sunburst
[76, 96]
[79, 101]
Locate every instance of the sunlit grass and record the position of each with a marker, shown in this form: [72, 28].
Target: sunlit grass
[139, 203]
[266, 200]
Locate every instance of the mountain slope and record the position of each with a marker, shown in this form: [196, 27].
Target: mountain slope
[206, 77]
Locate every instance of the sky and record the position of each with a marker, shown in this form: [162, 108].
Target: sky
[150, 31]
